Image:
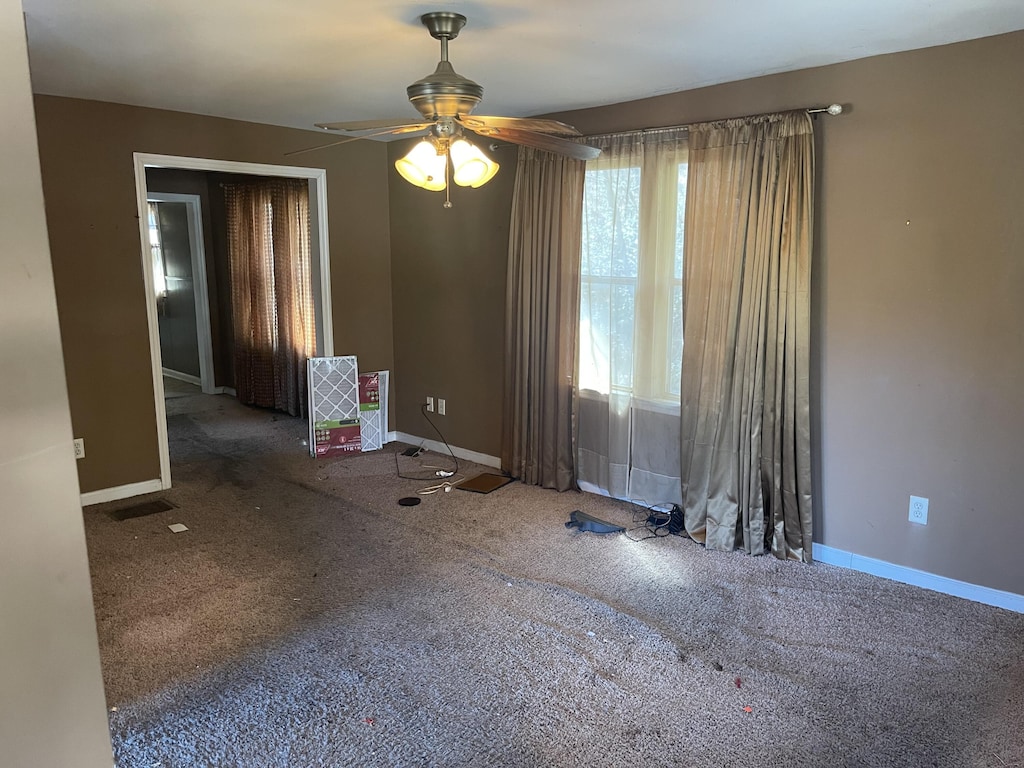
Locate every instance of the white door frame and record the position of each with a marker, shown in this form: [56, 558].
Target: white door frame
[199, 284]
[318, 176]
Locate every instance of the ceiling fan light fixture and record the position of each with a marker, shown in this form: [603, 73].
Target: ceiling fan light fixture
[423, 166]
[470, 166]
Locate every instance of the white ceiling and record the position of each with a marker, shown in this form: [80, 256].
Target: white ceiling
[307, 61]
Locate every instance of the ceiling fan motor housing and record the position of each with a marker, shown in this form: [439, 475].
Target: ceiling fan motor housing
[444, 93]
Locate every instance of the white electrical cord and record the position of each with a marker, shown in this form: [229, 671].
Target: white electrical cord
[446, 486]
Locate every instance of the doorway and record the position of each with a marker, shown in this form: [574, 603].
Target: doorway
[319, 273]
[180, 284]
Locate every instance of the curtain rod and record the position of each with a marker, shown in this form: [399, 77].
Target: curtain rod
[832, 109]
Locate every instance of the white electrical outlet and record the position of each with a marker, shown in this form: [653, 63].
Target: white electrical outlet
[440, 406]
[79, 447]
[919, 510]
[430, 404]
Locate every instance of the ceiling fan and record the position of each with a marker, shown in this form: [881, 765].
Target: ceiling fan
[445, 101]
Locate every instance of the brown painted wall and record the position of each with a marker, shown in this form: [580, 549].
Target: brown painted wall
[88, 181]
[918, 341]
[448, 291]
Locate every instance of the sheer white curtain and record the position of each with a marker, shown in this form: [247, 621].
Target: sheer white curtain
[630, 348]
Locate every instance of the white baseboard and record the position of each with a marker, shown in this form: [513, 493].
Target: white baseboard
[224, 391]
[905, 575]
[186, 377]
[121, 492]
[439, 447]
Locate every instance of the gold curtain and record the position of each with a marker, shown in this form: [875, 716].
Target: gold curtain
[271, 291]
[745, 443]
[541, 320]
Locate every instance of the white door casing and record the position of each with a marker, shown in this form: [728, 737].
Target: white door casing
[320, 267]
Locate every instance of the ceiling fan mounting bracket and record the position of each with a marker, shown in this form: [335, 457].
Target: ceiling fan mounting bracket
[443, 25]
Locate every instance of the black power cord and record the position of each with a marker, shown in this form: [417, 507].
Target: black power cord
[432, 476]
[661, 519]
[423, 410]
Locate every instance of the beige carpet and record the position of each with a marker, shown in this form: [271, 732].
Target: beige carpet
[178, 388]
[305, 619]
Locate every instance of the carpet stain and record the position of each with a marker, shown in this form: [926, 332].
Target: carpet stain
[141, 510]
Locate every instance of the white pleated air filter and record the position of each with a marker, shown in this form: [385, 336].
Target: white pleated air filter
[373, 409]
[334, 424]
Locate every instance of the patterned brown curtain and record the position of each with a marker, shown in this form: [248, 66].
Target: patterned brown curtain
[542, 320]
[745, 424]
[271, 291]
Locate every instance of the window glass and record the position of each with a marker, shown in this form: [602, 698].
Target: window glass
[631, 306]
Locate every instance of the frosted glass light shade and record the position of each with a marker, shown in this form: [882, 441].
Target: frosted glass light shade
[423, 167]
[470, 166]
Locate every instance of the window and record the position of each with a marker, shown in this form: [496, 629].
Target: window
[156, 250]
[631, 303]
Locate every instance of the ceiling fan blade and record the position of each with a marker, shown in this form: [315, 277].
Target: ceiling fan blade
[369, 125]
[537, 125]
[347, 139]
[541, 141]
